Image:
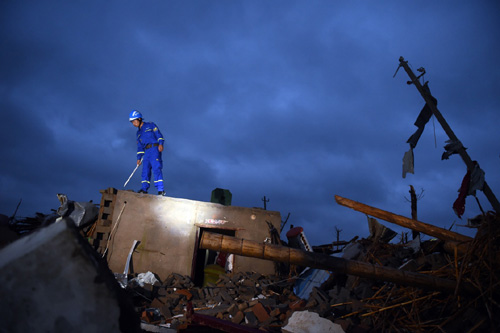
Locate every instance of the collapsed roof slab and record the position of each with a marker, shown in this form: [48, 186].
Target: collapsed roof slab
[168, 230]
[52, 281]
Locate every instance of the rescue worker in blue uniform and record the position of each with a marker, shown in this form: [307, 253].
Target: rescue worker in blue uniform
[149, 148]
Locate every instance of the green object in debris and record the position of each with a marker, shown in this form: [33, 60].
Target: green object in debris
[212, 273]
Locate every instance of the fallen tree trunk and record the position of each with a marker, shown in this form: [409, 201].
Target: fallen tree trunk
[247, 248]
[425, 228]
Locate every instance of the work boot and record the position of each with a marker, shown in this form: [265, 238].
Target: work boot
[142, 191]
[162, 193]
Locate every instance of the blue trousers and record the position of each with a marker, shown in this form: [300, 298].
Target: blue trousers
[151, 161]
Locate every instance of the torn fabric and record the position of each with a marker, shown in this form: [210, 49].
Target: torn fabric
[459, 204]
[472, 181]
[451, 147]
[408, 163]
[476, 179]
[422, 119]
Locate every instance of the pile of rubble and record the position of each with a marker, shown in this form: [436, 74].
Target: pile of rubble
[243, 298]
[387, 307]
[343, 301]
[25, 225]
[253, 301]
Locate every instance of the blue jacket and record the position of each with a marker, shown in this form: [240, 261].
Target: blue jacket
[148, 133]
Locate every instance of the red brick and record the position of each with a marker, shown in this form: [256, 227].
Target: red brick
[260, 312]
[185, 292]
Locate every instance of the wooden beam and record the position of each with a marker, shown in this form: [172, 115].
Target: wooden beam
[422, 227]
[242, 247]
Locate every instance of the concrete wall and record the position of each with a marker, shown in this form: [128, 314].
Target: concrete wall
[52, 282]
[167, 229]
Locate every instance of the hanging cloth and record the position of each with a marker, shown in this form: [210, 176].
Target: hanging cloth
[422, 119]
[408, 163]
[459, 204]
[451, 147]
[476, 179]
[473, 181]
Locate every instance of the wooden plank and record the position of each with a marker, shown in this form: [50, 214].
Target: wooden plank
[425, 228]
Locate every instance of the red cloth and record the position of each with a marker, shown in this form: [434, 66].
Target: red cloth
[459, 204]
[221, 259]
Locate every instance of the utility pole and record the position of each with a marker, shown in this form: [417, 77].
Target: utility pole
[463, 154]
[265, 202]
[338, 231]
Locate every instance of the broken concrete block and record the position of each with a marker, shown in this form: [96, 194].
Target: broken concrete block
[305, 322]
[53, 281]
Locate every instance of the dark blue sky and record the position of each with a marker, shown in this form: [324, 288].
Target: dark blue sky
[292, 100]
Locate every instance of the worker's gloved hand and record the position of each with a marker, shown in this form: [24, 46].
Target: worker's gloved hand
[139, 162]
[160, 148]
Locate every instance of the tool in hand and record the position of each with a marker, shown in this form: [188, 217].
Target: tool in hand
[132, 173]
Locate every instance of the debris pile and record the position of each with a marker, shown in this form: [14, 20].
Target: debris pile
[241, 298]
[25, 225]
[82, 214]
[446, 284]
[252, 300]
[388, 307]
